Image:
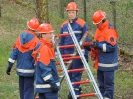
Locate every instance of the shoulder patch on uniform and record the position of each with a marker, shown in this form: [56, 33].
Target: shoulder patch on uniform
[112, 39]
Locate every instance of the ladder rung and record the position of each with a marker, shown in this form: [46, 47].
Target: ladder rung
[56, 35]
[59, 70]
[72, 58]
[58, 63]
[67, 46]
[86, 95]
[72, 70]
[61, 35]
[61, 76]
[67, 55]
[81, 82]
[76, 70]
[65, 34]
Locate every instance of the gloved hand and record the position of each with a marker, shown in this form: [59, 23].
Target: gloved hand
[87, 45]
[96, 44]
[8, 70]
[54, 87]
[87, 48]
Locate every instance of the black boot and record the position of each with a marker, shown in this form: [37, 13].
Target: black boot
[70, 97]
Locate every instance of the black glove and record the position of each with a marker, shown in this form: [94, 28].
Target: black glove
[87, 45]
[8, 71]
[87, 48]
[54, 87]
[96, 44]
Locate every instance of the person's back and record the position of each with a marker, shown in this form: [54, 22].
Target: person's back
[22, 50]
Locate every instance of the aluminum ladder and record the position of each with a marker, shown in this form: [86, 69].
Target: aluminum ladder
[66, 69]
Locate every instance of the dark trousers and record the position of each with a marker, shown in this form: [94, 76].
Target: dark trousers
[49, 95]
[26, 87]
[106, 83]
[76, 76]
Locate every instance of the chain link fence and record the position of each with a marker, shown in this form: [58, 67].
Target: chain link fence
[119, 13]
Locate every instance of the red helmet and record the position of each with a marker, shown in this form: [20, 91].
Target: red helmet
[33, 24]
[45, 28]
[72, 6]
[98, 16]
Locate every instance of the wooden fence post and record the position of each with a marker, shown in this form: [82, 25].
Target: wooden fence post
[0, 10]
[84, 3]
[62, 8]
[114, 12]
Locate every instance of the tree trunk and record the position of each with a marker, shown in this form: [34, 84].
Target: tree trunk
[42, 11]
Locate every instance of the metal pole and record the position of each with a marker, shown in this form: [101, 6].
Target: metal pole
[84, 3]
[114, 12]
[0, 10]
[62, 8]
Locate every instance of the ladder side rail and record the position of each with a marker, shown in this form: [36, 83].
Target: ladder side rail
[69, 66]
[76, 52]
[66, 74]
[84, 61]
[56, 42]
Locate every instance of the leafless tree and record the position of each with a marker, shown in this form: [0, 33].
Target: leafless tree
[42, 10]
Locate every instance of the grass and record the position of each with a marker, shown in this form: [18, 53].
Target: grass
[13, 22]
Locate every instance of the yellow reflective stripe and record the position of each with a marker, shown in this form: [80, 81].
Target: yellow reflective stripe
[11, 60]
[104, 47]
[47, 77]
[25, 71]
[45, 85]
[107, 65]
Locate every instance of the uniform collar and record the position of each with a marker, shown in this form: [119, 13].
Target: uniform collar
[45, 42]
[73, 20]
[103, 26]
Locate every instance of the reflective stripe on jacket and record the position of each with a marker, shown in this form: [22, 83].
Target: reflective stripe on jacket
[79, 27]
[45, 72]
[21, 53]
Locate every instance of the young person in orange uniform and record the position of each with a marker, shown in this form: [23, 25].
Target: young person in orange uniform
[104, 53]
[46, 78]
[79, 28]
[23, 48]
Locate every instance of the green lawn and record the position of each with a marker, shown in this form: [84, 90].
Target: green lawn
[12, 23]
